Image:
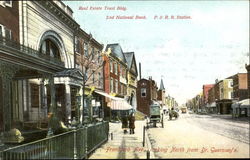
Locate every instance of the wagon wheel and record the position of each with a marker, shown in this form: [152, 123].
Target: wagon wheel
[162, 123]
[154, 123]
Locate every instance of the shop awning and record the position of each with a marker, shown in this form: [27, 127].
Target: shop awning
[116, 103]
[120, 105]
[107, 95]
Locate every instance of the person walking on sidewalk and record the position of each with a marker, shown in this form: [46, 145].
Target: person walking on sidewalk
[124, 120]
[132, 123]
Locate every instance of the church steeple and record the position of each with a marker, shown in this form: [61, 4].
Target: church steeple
[162, 86]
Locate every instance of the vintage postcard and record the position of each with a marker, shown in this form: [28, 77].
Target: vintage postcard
[124, 79]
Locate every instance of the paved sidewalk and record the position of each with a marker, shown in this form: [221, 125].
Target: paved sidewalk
[123, 146]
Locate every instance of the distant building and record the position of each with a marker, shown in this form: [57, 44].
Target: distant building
[161, 94]
[225, 96]
[240, 87]
[146, 94]
[248, 79]
[132, 78]
[205, 89]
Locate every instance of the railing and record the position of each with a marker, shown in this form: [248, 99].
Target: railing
[96, 135]
[76, 144]
[14, 45]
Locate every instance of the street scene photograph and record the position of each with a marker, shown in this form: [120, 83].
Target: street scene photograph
[124, 79]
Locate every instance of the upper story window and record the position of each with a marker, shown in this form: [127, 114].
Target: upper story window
[115, 68]
[77, 45]
[123, 73]
[1, 30]
[99, 56]
[231, 84]
[143, 92]
[50, 48]
[99, 81]
[92, 51]
[5, 32]
[86, 49]
[111, 66]
[111, 85]
[116, 86]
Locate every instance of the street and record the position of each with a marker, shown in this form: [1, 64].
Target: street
[201, 136]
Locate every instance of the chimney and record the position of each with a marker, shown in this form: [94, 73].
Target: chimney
[140, 71]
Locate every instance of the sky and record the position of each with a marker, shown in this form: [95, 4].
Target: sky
[211, 43]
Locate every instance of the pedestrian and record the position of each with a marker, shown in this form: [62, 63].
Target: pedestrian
[124, 120]
[132, 123]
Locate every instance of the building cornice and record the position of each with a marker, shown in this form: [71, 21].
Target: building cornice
[59, 13]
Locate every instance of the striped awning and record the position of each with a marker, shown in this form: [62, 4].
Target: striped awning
[116, 102]
[120, 105]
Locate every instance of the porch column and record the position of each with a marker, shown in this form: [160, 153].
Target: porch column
[6, 73]
[52, 108]
[53, 119]
[68, 102]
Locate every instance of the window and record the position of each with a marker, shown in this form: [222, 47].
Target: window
[111, 66]
[48, 47]
[86, 49]
[115, 68]
[93, 51]
[121, 88]
[232, 95]
[143, 92]
[116, 86]
[77, 45]
[124, 72]
[231, 84]
[34, 90]
[1, 30]
[99, 81]
[111, 85]
[99, 56]
[5, 32]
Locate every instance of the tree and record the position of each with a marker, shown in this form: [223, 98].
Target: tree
[91, 62]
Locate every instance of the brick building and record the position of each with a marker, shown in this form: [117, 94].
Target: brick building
[146, 94]
[248, 79]
[115, 74]
[206, 88]
[240, 87]
[89, 61]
